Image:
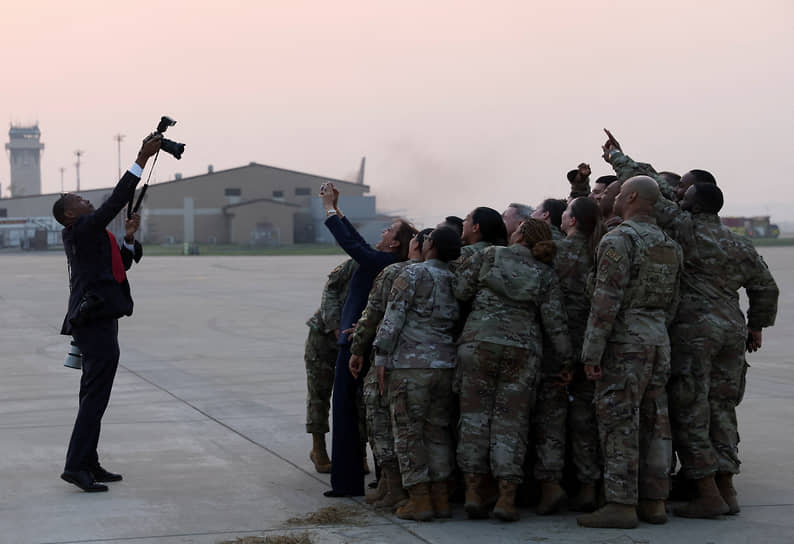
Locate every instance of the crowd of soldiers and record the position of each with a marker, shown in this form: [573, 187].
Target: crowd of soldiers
[586, 348]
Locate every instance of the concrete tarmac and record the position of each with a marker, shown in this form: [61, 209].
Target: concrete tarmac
[206, 420]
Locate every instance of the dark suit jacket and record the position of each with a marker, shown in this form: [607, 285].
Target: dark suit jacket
[370, 263]
[88, 251]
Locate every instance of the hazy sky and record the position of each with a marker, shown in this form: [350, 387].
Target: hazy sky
[455, 104]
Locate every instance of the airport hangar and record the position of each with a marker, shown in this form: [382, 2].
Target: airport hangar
[248, 205]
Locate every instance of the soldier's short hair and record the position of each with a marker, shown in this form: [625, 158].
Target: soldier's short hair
[606, 180]
[447, 243]
[522, 210]
[709, 197]
[454, 222]
[59, 209]
[703, 176]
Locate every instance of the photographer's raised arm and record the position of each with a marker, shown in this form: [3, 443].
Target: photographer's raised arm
[120, 196]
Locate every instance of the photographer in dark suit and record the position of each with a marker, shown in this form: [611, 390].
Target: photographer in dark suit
[99, 295]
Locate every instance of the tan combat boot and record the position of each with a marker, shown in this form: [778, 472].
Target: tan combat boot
[319, 455]
[390, 473]
[418, 507]
[505, 508]
[652, 511]
[552, 496]
[611, 516]
[725, 485]
[709, 502]
[374, 495]
[585, 499]
[439, 496]
[475, 504]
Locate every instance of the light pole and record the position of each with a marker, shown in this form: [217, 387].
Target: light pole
[79, 154]
[119, 138]
[62, 169]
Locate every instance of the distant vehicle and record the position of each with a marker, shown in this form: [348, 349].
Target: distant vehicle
[752, 227]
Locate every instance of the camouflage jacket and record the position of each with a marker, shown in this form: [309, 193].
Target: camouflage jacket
[612, 222]
[574, 263]
[625, 167]
[326, 318]
[717, 263]
[636, 288]
[466, 252]
[510, 289]
[556, 233]
[372, 315]
[421, 320]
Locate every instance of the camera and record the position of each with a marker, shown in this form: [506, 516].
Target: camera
[169, 146]
[74, 359]
[89, 308]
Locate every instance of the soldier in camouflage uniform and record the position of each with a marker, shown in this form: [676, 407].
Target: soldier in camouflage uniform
[550, 399]
[708, 335]
[416, 340]
[580, 181]
[320, 356]
[550, 211]
[627, 350]
[574, 262]
[499, 352]
[379, 429]
[483, 227]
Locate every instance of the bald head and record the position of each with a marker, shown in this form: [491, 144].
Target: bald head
[637, 196]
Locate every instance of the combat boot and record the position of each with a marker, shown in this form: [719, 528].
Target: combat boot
[390, 473]
[585, 499]
[552, 496]
[709, 502]
[418, 507]
[725, 485]
[319, 455]
[505, 508]
[475, 506]
[439, 496]
[652, 511]
[374, 495]
[611, 516]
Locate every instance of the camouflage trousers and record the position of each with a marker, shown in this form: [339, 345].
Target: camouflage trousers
[633, 422]
[421, 403]
[548, 423]
[493, 429]
[320, 358]
[378, 415]
[706, 384]
[583, 429]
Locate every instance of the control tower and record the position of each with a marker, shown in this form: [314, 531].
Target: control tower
[24, 151]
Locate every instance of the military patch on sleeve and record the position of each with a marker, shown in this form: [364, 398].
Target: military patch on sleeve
[612, 254]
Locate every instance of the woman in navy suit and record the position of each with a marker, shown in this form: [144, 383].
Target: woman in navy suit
[347, 469]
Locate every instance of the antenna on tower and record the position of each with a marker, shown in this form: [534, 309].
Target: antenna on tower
[79, 153]
[119, 138]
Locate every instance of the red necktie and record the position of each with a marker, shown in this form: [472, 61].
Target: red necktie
[115, 258]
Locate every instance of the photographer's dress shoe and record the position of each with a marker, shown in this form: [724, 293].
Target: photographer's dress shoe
[102, 475]
[84, 480]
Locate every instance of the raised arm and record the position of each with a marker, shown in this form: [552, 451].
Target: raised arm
[99, 219]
